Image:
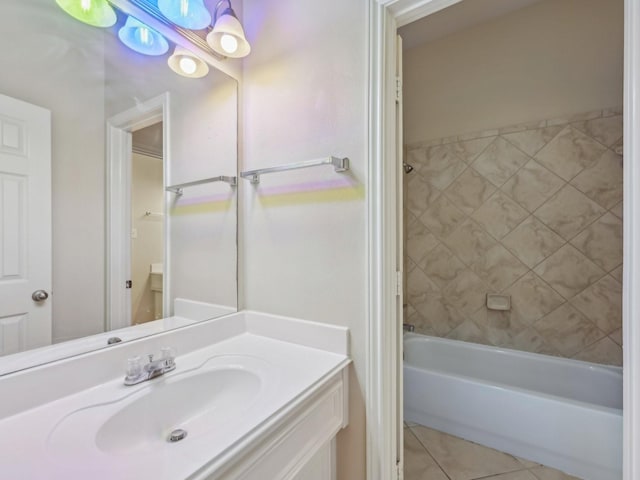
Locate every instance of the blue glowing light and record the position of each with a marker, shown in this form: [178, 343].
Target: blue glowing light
[142, 39]
[191, 14]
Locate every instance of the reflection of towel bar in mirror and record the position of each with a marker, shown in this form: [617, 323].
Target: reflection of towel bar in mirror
[151, 214]
[178, 189]
[339, 164]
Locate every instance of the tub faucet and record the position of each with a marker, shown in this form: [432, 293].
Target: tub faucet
[408, 327]
[137, 373]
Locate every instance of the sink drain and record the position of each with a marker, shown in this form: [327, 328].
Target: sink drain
[177, 435]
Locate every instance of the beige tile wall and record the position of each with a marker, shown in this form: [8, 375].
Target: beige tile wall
[532, 211]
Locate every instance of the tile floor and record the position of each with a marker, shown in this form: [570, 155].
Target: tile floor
[433, 455]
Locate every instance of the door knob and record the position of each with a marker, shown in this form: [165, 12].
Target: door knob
[39, 296]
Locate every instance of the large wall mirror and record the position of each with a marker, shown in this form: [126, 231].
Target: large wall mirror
[118, 214]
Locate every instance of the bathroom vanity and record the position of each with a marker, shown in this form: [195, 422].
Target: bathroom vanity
[253, 396]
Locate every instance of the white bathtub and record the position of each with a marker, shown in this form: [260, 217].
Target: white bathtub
[562, 413]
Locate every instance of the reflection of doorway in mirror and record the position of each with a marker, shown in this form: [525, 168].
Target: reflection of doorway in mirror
[147, 224]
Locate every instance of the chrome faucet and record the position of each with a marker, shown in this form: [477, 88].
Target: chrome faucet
[138, 373]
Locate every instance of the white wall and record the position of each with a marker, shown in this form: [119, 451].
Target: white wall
[304, 232]
[547, 60]
[43, 65]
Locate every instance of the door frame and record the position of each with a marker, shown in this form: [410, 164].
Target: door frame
[383, 357]
[119, 151]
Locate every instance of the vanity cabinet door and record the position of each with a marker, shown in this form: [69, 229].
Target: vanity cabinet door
[301, 446]
[321, 466]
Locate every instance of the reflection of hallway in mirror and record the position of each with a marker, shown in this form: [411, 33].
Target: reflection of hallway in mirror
[147, 224]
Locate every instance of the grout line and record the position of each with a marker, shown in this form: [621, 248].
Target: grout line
[591, 136]
[473, 160]
[530, 157]
[474, 443]
[429, 453]
[496, 475]
[571, 124]
[539, 124]
[484, 477]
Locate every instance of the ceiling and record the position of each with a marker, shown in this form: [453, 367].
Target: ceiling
[148, 140]
[457, 17]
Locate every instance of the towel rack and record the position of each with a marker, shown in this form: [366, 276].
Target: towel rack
[339, 164]
[149, 213]
[178, 189]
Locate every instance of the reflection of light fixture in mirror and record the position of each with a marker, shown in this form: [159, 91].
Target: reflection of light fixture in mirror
[185, 63]
[142, 39]
[94, 12]
[191, 14]
[227, 37]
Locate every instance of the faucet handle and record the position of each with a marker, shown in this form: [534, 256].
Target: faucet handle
[150, 357]
[134, 367]
[168, 355]
[168, 352]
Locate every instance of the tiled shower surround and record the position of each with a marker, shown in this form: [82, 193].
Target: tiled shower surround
[532, 211]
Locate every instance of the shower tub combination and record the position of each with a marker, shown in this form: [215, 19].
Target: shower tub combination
[562, 413]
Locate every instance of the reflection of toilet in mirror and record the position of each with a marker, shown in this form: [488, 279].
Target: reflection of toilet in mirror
[155, 279]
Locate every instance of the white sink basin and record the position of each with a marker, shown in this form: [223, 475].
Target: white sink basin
[210, 398]
[199, 402]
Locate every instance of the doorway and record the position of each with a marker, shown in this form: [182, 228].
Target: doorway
[147, 229]
[385, 19]
[517, 175]
[126, 219]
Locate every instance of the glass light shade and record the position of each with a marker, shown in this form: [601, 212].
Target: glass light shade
[191, 14]
[228, 33]
[185, 63]
[188, 65]
[93, 12]
[229, 43]
[142, 39]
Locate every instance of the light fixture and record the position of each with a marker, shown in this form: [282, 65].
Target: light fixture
[191, 14]
[94, 12]
[227, 37]
[185, 63]
[142, 39]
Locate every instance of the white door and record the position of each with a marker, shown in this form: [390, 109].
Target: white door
[25, 226]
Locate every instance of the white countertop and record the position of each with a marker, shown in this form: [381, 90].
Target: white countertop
[56, 439]
[187, 312]
[39, 356]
